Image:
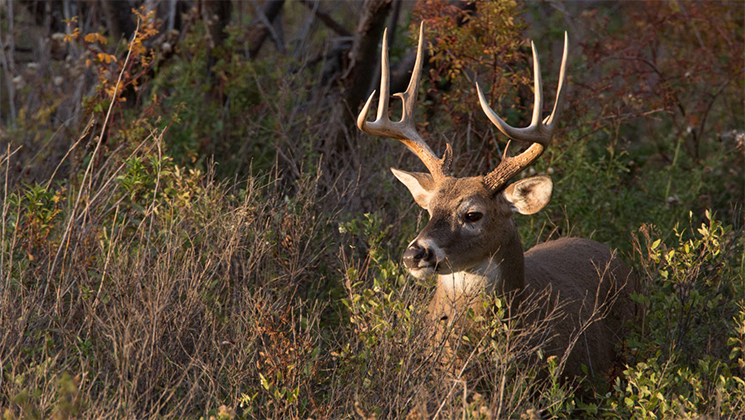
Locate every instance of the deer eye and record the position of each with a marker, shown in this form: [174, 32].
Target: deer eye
[473, 216]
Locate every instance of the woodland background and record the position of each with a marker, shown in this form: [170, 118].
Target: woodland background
[193, 227]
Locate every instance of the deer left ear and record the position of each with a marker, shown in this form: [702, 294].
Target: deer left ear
[529, 195]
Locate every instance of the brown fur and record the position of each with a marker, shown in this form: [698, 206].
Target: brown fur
[583, 273]
[587, 281]
[576, 285]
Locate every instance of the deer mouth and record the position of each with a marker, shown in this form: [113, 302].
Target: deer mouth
[424, 271]
[430, 268]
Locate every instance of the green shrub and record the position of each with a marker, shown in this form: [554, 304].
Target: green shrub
[684, 353]
[140, 280]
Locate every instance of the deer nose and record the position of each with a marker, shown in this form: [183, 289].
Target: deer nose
[415, 254]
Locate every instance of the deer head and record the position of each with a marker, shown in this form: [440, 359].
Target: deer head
[470, 218]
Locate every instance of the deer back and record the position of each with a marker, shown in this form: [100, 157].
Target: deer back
[591, 285]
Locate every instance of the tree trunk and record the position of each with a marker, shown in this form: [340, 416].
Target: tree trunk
[216, 14]
[118, 15]
[258, 30]
[357, 76]
[364, 54]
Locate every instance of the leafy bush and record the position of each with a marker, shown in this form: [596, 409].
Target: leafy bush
[685, 354]
[191, 255]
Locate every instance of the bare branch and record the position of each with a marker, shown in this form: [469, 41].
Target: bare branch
[326, 18]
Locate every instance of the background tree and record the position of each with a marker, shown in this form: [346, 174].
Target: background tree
[192, 227]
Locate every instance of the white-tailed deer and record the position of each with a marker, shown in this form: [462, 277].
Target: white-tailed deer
[472, 245]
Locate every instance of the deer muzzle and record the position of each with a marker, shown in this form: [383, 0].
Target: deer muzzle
[418, 257]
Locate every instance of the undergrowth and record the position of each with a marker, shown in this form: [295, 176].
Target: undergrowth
[187, 254]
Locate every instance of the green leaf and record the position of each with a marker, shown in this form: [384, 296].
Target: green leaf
[264, 382]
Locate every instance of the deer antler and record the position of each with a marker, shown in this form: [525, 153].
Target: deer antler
[538, 132]
[404, 130]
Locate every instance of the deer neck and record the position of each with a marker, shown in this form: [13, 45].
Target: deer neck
[502, 273]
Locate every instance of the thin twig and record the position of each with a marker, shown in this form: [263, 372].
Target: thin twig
[86, 130]
[66, 234]
[112, 244]
[714, 98]
[326, 18]
[6, 160]
[269, 27]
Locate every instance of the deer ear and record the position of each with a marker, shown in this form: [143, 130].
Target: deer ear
[529, 195]
[420, 185]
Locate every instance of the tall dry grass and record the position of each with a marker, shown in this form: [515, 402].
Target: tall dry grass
[135, 287]
[163, 293]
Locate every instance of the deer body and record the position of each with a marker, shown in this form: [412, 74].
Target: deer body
[545, 268]
[598, 278]
[472, 245]
[472, 257]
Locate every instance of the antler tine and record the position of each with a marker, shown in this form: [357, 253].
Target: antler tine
[556, 112]
[404, 130]
[537, 88]
[538, 132]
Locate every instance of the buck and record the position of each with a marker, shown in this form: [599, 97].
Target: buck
[471, 243]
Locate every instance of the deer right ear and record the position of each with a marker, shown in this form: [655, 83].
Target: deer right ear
[420, 185]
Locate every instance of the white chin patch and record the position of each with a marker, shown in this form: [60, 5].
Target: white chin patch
[422, 273]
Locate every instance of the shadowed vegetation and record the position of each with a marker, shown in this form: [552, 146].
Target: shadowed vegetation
[193, 227]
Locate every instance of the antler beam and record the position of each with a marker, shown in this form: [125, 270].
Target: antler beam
[404, 130]
[538, 132]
